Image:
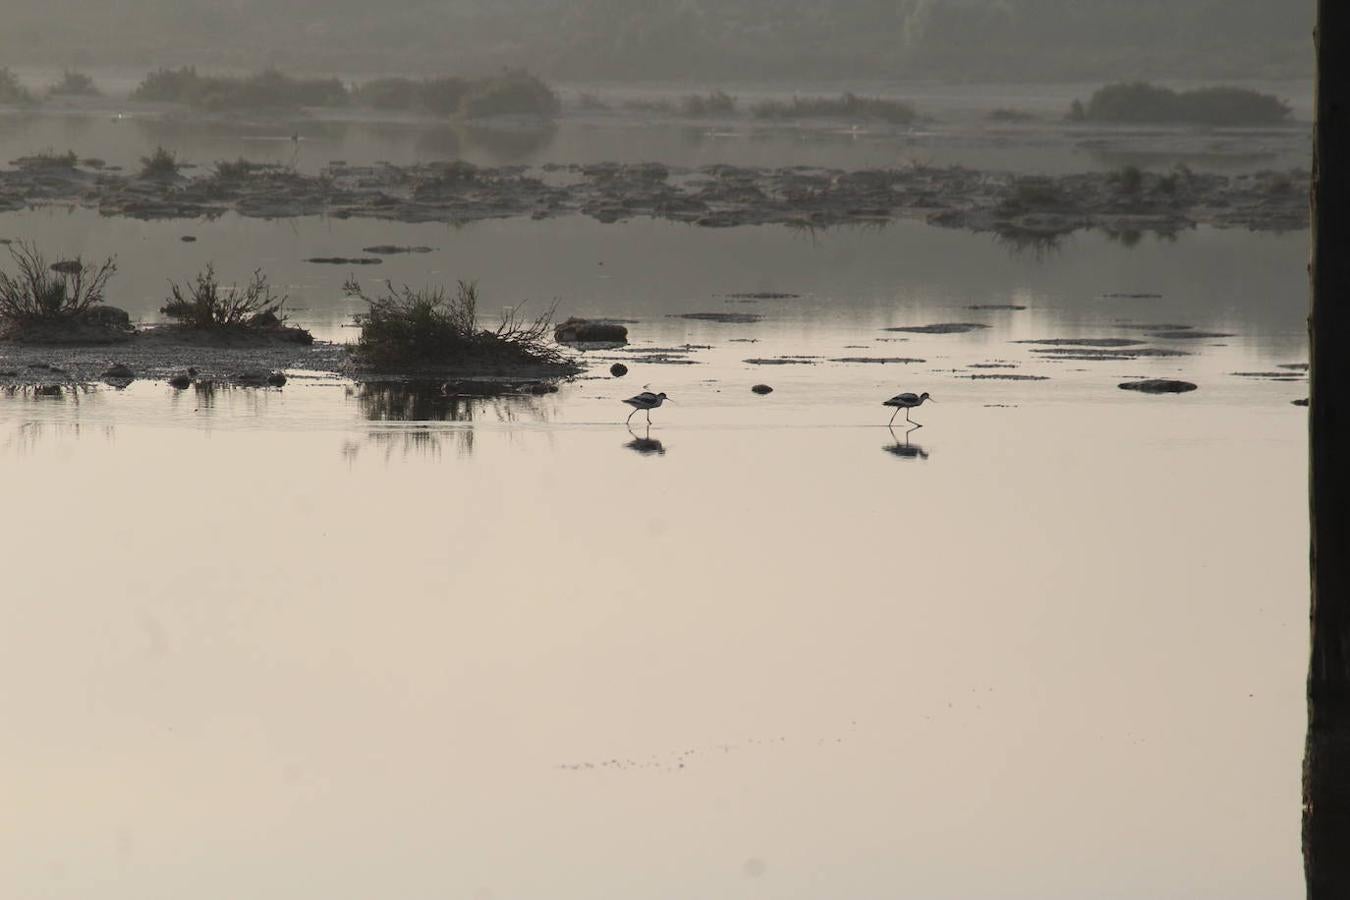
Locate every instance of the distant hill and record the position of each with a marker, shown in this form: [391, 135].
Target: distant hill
[703, 40]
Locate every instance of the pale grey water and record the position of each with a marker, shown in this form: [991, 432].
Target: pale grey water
[274, 645]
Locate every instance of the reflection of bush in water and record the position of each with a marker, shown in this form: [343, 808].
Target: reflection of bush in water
[510, 144]
[429, 402]
[405, 401]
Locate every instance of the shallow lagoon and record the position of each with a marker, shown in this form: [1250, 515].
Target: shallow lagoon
[280, 643]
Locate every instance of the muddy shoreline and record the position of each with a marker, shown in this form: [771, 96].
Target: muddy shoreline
[157, 354]
[1018, 208]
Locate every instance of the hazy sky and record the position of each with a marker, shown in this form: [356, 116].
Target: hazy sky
[677, 39]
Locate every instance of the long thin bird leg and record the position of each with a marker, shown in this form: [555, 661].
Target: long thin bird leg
[649, 418]
[893, 415]
[630, 416]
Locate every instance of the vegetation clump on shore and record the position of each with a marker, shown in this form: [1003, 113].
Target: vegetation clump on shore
[12, 91]
[714, 103]
[204, 304]
[845, 106]
[440, 96]
[514, 92]
[160, 164]
[511, 92]
[269, 89]
[74, 84]
[406, 329]
[58, 302]
[1140, 102]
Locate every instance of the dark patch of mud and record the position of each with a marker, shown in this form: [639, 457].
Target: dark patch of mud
[1017, 209]
[1271, 376]
[1297, 367]
[880, 360]
[939, 328]
[1129, 296]
[762, 295]
[782, 361]
[1191, 335]
[345, 260]
[394, 250]
[1093, 353]
[1004, 376]
[1012, 307]
[1301, 402]
[1083, 342]
[1158, 386]
[992, 366]
[726, 318]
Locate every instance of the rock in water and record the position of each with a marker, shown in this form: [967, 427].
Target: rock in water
[1158, 386]
[580, 331]
[762, 389]
[109, 317]
[618, 370]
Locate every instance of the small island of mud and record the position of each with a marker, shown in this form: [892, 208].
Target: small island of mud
[1022, 209]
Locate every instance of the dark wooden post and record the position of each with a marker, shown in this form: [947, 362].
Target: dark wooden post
[1326, 767]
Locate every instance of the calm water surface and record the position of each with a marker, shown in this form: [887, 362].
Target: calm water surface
[284, 644]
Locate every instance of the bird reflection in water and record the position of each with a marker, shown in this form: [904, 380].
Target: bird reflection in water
[646, 445]
[905, 450]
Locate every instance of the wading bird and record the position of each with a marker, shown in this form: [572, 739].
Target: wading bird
[646, 401]
[906, 402]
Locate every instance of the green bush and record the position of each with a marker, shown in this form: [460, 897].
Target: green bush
[515, 92]
[1141, 102]
[716, 103]
[43, 293]
[160, 164]
[442, 96]
[75, 84]
[406, 328]
[204, 303]
[845, 106]
[12, 91]
[270, 89]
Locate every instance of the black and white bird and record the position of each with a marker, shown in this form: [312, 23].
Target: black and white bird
[906, 402]
[646, 401]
